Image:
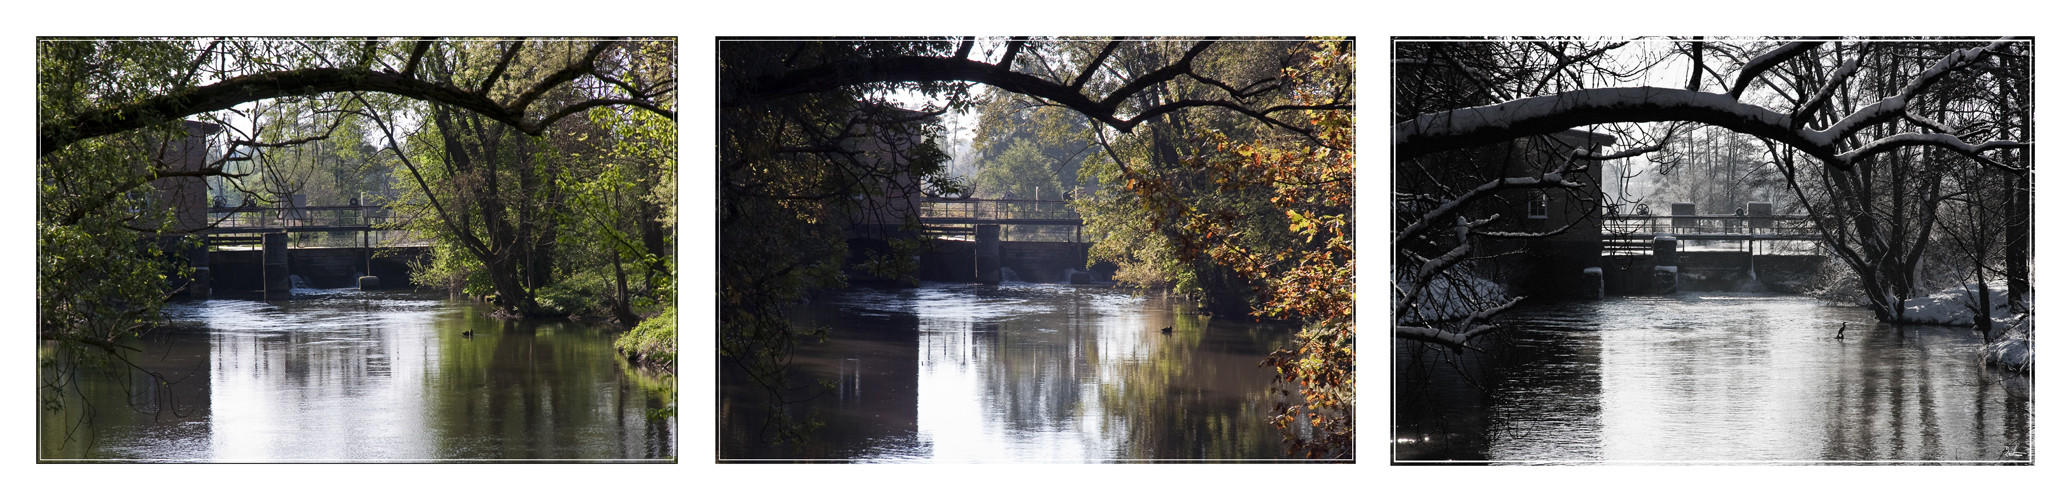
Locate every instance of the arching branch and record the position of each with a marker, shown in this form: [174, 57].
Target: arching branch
[861, 71]
[231, 92]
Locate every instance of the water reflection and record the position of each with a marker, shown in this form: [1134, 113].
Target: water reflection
[1019, 372]
[344, 375]
[1722, 377]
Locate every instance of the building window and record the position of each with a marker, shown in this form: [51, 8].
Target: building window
[1536, 208]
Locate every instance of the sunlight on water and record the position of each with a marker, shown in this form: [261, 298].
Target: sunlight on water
[1712, 377]
[1026, 373]
[342, 375]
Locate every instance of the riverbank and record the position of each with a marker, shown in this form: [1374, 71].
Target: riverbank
[2011, 333]
[653, 342]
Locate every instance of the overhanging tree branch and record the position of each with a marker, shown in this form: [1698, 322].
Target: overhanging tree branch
[228, 93]
[862, 71]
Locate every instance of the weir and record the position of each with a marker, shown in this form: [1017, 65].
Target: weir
[1751, 250]
[252, 248]
[988, 241]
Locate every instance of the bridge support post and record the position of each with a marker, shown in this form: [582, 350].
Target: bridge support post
[1665, 264]
[275, 262]
[986, 264]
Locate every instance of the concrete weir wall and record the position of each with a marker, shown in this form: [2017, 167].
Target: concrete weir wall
[1711, 271]
[239, 270]
[1031, 261]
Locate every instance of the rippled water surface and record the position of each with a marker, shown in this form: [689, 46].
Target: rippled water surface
[1710, 378]
[348, 376]
[1019, 373]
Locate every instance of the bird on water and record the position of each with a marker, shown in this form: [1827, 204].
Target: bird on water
[1838, 331]
[1166, 331]
[469, 333]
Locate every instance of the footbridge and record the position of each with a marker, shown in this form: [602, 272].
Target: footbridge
[948, 216]
[1041, 241]
[263, 248]
[1751, 249]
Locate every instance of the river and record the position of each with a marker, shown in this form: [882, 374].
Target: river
[350, 376]
[1709, 378]
[1017, 372]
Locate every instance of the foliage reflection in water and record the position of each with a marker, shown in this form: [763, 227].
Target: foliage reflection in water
[349, 376]
[1713, 378]
[1018, 372]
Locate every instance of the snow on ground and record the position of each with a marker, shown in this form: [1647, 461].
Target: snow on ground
[1951, 307]
[2010, 350]
[1455, 296]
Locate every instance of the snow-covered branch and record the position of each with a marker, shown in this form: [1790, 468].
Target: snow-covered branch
[1945, 141]
[1546, 114]
[1827, 91]
[1429, 218]
[1767, 60]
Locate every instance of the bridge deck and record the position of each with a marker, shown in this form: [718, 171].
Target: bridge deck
[932, 221]
[1006, 212]
[1650, 237]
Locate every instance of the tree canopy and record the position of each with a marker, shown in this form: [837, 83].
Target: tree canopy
[533, 164]
[1844, 124]
[1137, 117]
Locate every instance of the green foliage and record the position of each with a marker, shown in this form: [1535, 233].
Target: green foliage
[1160, 170]
[653, 341]
[106, 249]
[799, 176]
[1272, 214]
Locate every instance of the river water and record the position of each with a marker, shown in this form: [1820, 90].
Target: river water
[350, 376]
[1709, 378]
[1017, 372]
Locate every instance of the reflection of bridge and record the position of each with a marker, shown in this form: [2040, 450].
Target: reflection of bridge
[950, 216]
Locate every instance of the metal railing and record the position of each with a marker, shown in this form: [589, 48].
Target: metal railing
[338, 216]
[310, 226]
[1788, 225]
[1037, 212]
[1634, 234]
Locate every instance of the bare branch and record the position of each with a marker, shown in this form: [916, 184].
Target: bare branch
[1767, 60]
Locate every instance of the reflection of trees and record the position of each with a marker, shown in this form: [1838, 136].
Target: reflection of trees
[1151, 397]
[1047, 371]
[114, 404]
[863, 390]
[520, 390]
[1900, 404]
[1174, 399]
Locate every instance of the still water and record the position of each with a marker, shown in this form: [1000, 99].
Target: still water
[1735, 378]
[1017, 372]
[351, 376]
